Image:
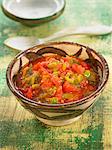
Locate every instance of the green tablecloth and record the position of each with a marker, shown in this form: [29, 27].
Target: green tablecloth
[93, 131]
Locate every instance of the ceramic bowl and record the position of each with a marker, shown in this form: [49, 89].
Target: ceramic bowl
[59, 114]
[33, 12]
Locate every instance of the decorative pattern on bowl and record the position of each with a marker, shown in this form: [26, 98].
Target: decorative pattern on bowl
[59, 114]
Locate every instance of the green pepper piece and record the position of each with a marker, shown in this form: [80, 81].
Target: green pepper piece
[29, 71]
[52, 91]
[69, 77]
[35, 86]
[67, 96]
[87, 73]
[64, 67]
[80, 78]
[53, 65]
[32, 79]
[27, 79]
[73, 61]
[70, 80]
[55, 73]
[53, 100]
[73, 78]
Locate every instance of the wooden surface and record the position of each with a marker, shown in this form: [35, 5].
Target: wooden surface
[19, 130]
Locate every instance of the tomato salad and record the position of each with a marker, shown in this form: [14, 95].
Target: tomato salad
[55, 79]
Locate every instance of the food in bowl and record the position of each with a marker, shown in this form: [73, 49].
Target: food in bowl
[56, 79]
[67, 111]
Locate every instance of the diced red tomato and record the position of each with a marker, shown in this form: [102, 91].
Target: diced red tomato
[59, 93]
[84, 83]
[91, 88]
[78, 68]
[44, 71]
[29, 93]
[85, 65]
[56, 81]
[41, 59]
[67, 87]
[60, 67]
[65, 59]
[23, 83]
[23, 90]
[46, 84]
[44, 64]
[36, 66]
[77, 95]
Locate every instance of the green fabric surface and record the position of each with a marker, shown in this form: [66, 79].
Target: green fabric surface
[93, 131]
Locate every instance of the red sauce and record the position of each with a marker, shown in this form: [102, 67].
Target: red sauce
[55, 79]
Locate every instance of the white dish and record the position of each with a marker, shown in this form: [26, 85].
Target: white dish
[32, 9]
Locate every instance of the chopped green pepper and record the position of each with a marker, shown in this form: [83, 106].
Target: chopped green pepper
[69, 77]
[55, 73]
[53, 100]
[67, 96]
[53, 65]
[52, 91]
[73, 78]
[73, 61]
[35, 86]
[64, 67]
[87, 73]
[32, 79]
[80, 78]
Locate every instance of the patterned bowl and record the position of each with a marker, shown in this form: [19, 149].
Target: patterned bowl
[59, 114]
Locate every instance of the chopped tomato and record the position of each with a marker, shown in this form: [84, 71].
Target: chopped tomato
[91, 88]
[60, 67]
[39, 60]
[44, 64]
[46, 84]
[84, 83]
[67, 87]
[23, 90]
[36, 66]
[85, 65]
[44, 71]
[59, 93]
[65, 59]
[78, 68]
[29, 93]
[56, 81]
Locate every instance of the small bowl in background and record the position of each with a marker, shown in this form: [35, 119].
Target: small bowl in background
[33, 12]
[59, 114]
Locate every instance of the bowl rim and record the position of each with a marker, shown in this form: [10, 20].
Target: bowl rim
[27, 100]
[18, 18]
